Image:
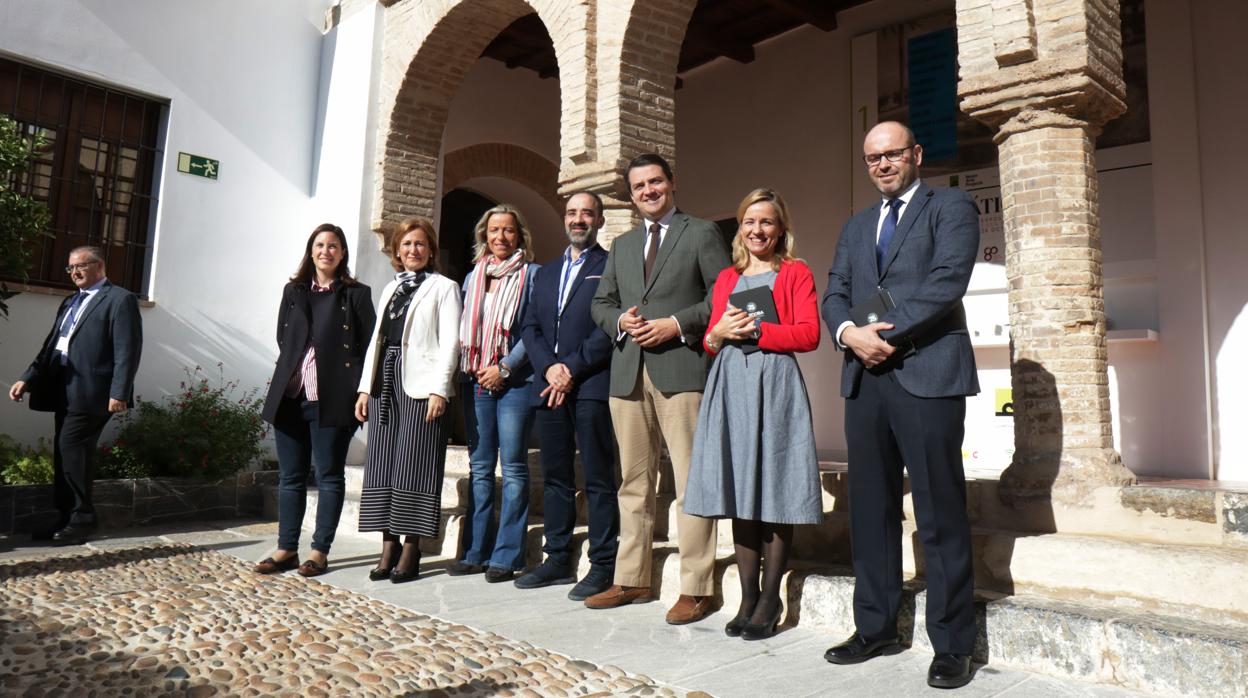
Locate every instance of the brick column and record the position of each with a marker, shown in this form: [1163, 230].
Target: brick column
[1047, 74]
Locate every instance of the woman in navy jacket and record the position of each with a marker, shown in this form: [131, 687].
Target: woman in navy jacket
[323, 326]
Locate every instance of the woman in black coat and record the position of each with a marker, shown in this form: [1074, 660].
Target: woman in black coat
[323, 327]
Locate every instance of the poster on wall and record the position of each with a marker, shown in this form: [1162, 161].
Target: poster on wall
[989, 441]
[916, 83]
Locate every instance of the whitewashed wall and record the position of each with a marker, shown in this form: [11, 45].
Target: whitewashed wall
[244, 82]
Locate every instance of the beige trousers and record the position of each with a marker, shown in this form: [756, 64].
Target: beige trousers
[640, 420]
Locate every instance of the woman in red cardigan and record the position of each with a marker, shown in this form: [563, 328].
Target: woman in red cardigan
[754, 448]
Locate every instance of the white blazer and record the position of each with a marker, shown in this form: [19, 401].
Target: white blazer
[430, 340]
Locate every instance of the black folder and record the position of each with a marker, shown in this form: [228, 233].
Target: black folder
[759, 304]
[872, 309]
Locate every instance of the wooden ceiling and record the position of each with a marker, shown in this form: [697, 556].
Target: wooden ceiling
[718, 28]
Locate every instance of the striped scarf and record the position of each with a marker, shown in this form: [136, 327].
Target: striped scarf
[485, 327]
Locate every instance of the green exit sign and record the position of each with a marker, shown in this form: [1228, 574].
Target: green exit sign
[198, 165]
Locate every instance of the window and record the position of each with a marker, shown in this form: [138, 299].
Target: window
[95, 170]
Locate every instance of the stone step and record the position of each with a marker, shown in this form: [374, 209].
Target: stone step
[1082, 607]
[1119, 573]
[1151, 652]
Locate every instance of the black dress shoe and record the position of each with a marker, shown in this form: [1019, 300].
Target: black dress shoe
[859, 649]
[949, 670]
[494, 575]
[73, 534]
[546, 574]
[734, 627]
[398, 575]
[379, 573]
[762, 631]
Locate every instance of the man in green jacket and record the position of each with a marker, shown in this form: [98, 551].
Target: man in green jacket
[653, 300]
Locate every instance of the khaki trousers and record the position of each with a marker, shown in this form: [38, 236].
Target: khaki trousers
[640, 420]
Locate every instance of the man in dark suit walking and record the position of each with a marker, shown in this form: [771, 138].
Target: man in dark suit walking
[653, 302]
[84, 374]
[571, 359]
[905, 380]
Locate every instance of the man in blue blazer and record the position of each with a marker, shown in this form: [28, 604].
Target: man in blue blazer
[84, 374]
[571, 358]
[905, 379]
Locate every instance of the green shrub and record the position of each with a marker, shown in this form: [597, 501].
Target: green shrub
[23, 465]
[202, 432]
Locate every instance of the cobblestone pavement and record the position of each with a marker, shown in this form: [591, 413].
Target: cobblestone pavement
[177, 620]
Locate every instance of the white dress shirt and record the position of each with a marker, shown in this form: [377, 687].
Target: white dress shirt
[72, 320]
[879, 226]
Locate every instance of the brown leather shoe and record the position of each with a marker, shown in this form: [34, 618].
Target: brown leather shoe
[619, 596]
[270, 566]
[690, 609]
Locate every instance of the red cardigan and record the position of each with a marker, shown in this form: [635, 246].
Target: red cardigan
[798, 329]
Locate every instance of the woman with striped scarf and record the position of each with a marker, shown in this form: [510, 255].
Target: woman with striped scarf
[496, 377]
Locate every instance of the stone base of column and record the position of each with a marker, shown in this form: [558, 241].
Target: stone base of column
[1068, 477]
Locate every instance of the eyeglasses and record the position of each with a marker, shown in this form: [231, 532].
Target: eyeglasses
[892, 156]
[80, 267]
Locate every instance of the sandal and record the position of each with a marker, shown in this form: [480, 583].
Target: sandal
[270, 566]
[312, 568]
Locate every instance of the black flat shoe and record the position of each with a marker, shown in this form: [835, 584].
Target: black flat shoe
[762, 631]
[379, 573]
[734, 627]
[859, 649]
[949, 670]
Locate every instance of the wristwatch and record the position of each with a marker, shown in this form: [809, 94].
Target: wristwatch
[503, 371]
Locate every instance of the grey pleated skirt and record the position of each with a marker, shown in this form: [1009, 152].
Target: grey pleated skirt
[754, 447]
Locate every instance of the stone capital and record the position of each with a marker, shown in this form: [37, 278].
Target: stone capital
[1041, 94]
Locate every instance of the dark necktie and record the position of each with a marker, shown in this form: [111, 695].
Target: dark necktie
[886, 233]
[67, 323]
[652, 247]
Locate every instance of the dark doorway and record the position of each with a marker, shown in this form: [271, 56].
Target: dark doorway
[460, 210]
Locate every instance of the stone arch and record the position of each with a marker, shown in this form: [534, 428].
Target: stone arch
[638, 49]
[429, 46]
[513, 162]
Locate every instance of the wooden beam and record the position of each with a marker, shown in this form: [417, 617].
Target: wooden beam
[820, 13]
[712, 39]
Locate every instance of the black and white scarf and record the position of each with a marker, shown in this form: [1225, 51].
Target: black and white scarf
[409, 281]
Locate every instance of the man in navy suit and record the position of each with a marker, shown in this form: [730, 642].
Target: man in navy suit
[571, 360]
[905, 380]
[84, 374]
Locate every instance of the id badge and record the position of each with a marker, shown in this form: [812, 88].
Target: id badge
[62, 344]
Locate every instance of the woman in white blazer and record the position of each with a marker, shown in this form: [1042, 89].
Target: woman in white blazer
[408, 377]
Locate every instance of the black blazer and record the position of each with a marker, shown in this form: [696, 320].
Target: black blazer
[338, 364]
[103, 356]
[583, 346]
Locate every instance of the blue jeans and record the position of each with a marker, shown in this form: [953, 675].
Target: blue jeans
[498, 429]
[301, 443]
